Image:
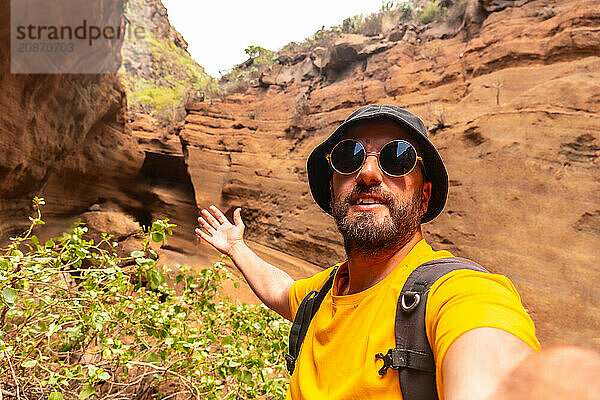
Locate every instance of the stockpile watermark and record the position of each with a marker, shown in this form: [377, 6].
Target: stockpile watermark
[68, 36]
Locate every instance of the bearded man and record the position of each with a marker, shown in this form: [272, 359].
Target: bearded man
[380, 177]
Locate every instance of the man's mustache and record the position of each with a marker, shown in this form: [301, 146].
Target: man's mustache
[375, 190]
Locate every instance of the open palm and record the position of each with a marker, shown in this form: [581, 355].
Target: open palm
[218, 231]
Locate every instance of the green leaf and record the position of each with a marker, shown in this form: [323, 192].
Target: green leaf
[155, 277]
[54, 327]
[38, 200]
[236, 285]
[18, 254]
[211, 336]
[246, 377]
[157, 237]
[86, 392]
[104, 376]
[9, 295]
[92, 369]
[137, 253]
[153, 358]
[141, 261]
[227, 340]
[28, 364]
[43, 260]
[50, 243]
[82, 252]
[55, 396]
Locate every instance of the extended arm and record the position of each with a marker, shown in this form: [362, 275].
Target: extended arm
[478, 362]
[269, 283]
[479, 331]
[492, 364]
[555, 374]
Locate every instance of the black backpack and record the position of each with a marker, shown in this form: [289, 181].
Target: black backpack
[412, 356]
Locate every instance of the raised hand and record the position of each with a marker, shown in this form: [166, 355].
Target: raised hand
[219, 232]
[271, 285]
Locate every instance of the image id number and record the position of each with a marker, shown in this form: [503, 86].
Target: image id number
[46, 47]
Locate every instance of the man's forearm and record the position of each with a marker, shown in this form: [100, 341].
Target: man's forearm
[269, 283]
[479, 361]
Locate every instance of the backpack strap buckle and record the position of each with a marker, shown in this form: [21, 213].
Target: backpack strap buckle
[290, 361]
[388, 361]
[405, 358]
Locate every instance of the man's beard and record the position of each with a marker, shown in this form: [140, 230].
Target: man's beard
[364, 234]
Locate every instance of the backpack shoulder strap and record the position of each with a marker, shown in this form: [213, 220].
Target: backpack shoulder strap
[413, 356]
[306, 311]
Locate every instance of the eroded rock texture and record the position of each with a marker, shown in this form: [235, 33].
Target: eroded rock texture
[61, 137]
[511, 103]
[65, 138]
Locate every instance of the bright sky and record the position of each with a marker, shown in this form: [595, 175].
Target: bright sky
[218, 31]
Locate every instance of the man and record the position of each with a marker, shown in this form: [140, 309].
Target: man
[380, 177]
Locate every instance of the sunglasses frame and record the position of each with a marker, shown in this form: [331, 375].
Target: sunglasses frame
[376, 154]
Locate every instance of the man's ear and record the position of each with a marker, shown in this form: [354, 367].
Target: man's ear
[425, 196]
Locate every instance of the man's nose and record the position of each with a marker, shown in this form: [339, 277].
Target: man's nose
[370, 173]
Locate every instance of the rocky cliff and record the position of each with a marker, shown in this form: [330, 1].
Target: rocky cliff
[61, 137]
[510, 96]
[66, 138]
[159, 74]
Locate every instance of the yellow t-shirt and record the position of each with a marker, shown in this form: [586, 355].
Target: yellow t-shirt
[337, 359]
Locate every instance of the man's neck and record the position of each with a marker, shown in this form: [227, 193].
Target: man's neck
[365, 270]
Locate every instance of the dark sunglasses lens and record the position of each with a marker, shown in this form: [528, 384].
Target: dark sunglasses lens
[347, 156]
[398, 157]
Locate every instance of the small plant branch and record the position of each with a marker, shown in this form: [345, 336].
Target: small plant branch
[495, 85]
[12, 371]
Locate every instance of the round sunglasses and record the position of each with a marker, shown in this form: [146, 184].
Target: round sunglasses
[397, 158]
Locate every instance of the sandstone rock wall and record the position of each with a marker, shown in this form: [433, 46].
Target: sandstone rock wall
[61, 137]
[66, 138]
[513, 108]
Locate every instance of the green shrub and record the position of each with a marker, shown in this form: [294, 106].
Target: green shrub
[175, 79]
[80, 322]
[353, 24]
[391, 11]
[430, 13]
[241, 77]
[405, 11]
[258, 51]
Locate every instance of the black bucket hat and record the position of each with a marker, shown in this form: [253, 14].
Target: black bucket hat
[320, 172]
